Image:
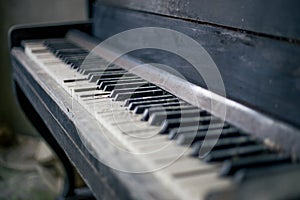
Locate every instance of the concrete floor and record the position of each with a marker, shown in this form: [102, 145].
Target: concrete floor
[29, 171]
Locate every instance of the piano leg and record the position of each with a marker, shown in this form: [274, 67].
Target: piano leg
[69, 191]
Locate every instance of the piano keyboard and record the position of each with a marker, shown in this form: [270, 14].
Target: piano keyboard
[167, 131]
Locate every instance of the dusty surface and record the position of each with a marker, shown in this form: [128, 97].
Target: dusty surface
[28, 170]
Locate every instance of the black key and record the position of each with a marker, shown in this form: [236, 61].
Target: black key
[74, 61]
[69, 60]
[107, 73]
[141, 99]
[83, 64]
[93, 95]
[148, 112]
[140, 109]
[158, 117]
[66, 55]
[124, 96]
[55, 48]
[231, 166]
[82, 57]
[87, 71]
[87, 88]
[253, 173]
[74, 80]
[70, 50]
[189, 137]
[175, 132]
[39, 51]
[225, 143]
[74, 64]
[73, 51]
[115, 92]
[111, 87]
[94, 63]
[108, 76]
[86, 68]
[80, 61]
[103, 83]
[133, 105]
[221, 155]
[185, 122]
[97, 63]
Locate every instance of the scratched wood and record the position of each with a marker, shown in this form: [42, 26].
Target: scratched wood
[270, 17]
[259, 72]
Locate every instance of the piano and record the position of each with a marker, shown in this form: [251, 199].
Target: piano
[168, 99]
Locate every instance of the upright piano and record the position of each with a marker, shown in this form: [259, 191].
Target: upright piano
[168, 99]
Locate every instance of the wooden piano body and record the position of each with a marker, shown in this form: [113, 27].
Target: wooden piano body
[258, 60]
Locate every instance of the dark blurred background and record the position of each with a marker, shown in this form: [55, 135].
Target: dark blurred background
[14, 12]
[28, 168]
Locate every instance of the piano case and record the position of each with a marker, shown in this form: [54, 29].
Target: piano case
[258, 60]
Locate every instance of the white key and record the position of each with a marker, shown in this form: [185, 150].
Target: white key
[188, 177]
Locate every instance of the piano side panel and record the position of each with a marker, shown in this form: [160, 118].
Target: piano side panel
[260, 72]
